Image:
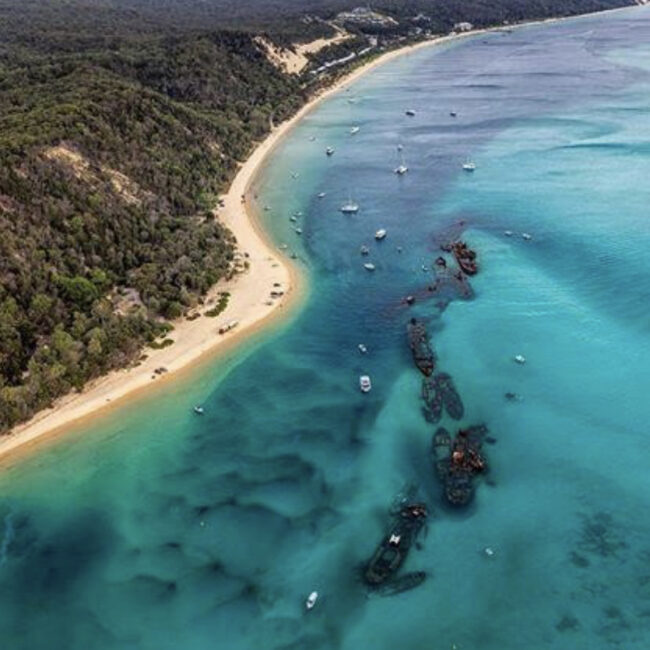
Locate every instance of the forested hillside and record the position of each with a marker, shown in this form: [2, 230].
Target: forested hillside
[120, 122]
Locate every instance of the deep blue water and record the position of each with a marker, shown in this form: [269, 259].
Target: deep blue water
[161, 530]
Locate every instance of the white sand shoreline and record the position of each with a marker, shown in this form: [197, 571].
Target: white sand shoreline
[198, 339]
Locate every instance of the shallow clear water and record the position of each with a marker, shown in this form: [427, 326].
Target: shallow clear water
[160, 530]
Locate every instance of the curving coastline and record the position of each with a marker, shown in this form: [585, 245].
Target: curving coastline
[198, 340]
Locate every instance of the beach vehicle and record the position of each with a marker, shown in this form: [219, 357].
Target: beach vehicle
[362, 348]
[199, 410]
[329, 151]
[365, 384]
[369, 266]
[418, 340]
[230, 325]
[526, 236]
[364, 250]
[469, 166]
[520, 358]
[410, 112]
[380, 234]
[354, 130]
[311, 600]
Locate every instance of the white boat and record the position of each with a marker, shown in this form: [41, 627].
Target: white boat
[350, 207]
[354, 130]
[469, 166]
[520, 358]
[362, 348]
[380, 234]
[489, 551]
[508, 233]
[369, 266]
[401, 169]
[329, 151]
[293, 218]
[321, 195]
[364, 250]
[526, 236]
[410, 112]
[199, 410]
[298, 231]
[400, 147]
[311, 600]
[365, 384]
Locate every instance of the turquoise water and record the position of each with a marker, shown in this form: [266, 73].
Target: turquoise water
[160, 530]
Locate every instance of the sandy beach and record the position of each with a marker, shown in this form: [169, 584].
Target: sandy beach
[249, 304]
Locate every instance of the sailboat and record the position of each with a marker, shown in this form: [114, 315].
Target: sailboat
[401, 168]
[349, 207]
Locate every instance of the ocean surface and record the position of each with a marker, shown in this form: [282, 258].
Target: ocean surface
[157, 529]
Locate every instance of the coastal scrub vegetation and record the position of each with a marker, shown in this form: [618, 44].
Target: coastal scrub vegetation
[120, 123]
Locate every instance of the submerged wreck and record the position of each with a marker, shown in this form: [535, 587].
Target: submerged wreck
[439, 391]
[465, 257]
[459, 461]
[391, 553]
[420, 347]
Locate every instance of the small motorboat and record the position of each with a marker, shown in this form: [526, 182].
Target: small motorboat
[365, 384]
[293, 218]
[400, 170]
[526, 236]
[488, 551]
[508, 233]
[364, 250]
[354, 130]
[298, 231]
[329, 151]
[469, 166]
[520, 358]
[311, 600]
[362, 348]
[321, 195]
[453, 113]
[380, 234]
[369, 266]
[400, 147]
[199, 410]
[312, 138]
[410, 112]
